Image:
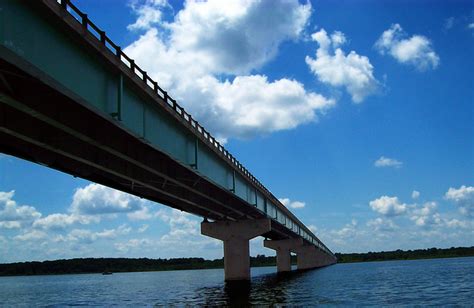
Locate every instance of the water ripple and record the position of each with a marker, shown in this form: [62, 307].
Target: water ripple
[438, 282]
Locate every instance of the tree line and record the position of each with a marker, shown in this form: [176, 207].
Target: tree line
[430, 253]
[100, 265]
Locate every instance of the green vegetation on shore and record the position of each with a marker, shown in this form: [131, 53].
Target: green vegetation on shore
[430, 253]
[99, 265]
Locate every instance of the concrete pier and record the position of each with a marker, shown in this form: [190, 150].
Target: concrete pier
[309, 256]
[236, 236]
[283, 251]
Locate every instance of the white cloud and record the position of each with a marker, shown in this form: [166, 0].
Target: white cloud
[182, 225]
[471, 25]
[415, 194]
[95, 199]
[114, 233]
[332, 66]
[143, 228]
[182, 239]
[388, 206]
[251, 105]
[313, 228]
[236, 36]
[382, 224]
[81, 235]
[456, 223]
[12, 214]
[384, 234]
[347, 232]
[10, 224]
[292, 204]
[463, 197]
[62, 221]
[387, 162]
[209, 40]
[149, 13]
[88, 237]
[141, 214]
[426, 215]
[134, 244]
[32, 235]
[416, 50]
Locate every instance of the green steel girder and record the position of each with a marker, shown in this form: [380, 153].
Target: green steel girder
[56, 73]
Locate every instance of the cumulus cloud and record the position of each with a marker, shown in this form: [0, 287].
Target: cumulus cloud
[142, 214]
[347, 232]
[332, 66]
[423, 215]
[143, 228]
[182, 225]
[415, 194]
[382, 224]
[31, 235]
[236, 36]
[387, 162]
[149, 13]
[251, 105]
[134, 244]
[416, 50]
[97, 199]
[426, 215]
[211, 39]
[62, 221]
[463, 197]
[388, 206]
[10, 224]
[13, 215]
[471, 25]
[89, 205]
[292, 204]
[183, 237]
[88, 237]
[456, 223]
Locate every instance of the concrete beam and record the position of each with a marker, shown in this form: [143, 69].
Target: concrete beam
[236, 236]
[283, 251]
[309, 256]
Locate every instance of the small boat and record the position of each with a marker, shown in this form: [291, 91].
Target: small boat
[107, 273]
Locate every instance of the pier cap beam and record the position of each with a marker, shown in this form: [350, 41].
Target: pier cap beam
[309, 256]
[283, 251]
[236, 236]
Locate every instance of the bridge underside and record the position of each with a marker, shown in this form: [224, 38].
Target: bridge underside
[45, 126]
[40, 122]
[53, 113]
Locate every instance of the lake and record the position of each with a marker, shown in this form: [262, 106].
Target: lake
[436, 282]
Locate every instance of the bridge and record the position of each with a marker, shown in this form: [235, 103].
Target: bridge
[72, 100]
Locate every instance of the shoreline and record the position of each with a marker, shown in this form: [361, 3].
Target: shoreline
[132, 265]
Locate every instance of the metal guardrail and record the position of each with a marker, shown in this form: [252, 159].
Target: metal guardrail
[116, 50]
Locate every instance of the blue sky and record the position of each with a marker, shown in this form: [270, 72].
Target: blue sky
[358, 115]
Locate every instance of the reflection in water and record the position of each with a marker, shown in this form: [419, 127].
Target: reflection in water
[266, 289]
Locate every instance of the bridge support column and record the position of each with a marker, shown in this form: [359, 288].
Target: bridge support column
[236, 236]
[283, 251]
[310, 257]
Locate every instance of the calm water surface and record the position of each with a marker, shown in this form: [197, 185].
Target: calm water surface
[427, 282]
